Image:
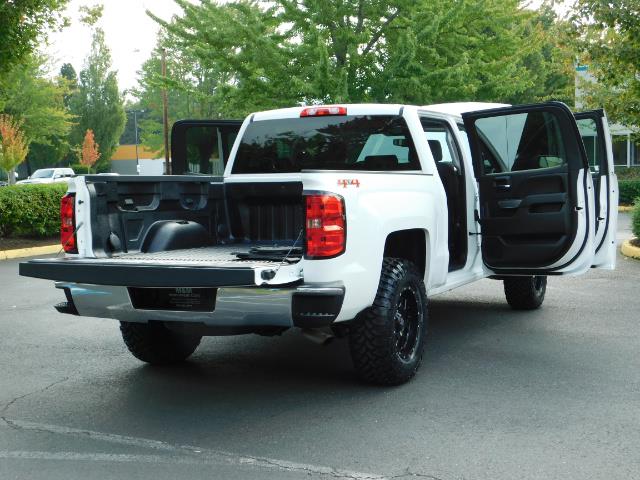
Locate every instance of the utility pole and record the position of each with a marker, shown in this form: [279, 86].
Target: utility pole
[135, 126]
[165, 116]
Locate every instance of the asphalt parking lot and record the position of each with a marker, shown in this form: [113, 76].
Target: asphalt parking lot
[553, 393]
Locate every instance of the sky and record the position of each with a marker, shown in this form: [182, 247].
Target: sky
[129, 33]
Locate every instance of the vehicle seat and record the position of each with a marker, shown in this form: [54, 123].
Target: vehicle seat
[451, 182]
[381, 162]
[446, 170]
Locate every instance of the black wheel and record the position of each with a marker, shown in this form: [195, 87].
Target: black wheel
[525, 293]
[156, 344]
[387, 340]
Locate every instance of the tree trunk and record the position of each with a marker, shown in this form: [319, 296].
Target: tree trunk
[11, 176]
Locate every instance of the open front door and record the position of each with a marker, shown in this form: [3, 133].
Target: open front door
[594, 130]
[202, 146]
[536, 194]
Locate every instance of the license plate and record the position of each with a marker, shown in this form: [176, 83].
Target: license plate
[179, 299]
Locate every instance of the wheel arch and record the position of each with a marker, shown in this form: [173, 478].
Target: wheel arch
[411, 244]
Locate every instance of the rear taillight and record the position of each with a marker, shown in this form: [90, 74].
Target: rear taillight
[323, 111]
[68, 223]
[325, 226]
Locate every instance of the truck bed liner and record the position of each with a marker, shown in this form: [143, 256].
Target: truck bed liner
[221, 255]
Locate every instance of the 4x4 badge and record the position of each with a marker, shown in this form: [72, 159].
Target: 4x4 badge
[344, 183]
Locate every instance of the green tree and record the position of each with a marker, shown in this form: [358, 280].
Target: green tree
[69, 76]
[38, 101]
[609, 37]
[266, 54]
[22, 22]
[552, 63]
[193, 91]
[97, 103]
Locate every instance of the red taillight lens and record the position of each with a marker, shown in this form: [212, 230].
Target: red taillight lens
[68, 223]
[326, 226]
[323, 111]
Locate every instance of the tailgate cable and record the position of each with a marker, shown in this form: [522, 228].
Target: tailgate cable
[290, 250]
[270, 274]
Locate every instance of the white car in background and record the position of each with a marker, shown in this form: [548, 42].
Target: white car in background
[49, 175]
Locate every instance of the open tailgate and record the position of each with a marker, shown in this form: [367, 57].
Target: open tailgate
[215, 266]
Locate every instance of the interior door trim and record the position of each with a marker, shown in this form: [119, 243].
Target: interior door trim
[469, 118]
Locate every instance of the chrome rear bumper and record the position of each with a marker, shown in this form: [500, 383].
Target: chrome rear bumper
[234, 307]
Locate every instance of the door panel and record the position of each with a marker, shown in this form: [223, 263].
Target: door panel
[202, 146]
[594, 130]
[534, 195]
[530, 210]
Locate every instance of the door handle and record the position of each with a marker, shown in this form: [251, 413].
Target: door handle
[502, 183]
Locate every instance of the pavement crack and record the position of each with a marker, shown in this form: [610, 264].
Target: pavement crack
[11, 402]
[295, 467]
[409, 474]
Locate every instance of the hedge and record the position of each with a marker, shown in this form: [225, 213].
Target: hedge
[31, 210]
[629, 191]
[628, 173]
[78, 168]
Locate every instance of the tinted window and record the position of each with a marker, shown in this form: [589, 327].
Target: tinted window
[592, 143]
[523, 141]
[441, 141]
[378, 142]
[205, 149]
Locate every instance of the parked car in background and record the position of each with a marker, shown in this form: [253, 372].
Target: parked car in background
[49, 175]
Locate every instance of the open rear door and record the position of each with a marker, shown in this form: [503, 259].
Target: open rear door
[594, 130]
[535, 190]
[202, 146]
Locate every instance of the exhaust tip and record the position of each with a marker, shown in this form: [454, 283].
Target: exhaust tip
[66, 307]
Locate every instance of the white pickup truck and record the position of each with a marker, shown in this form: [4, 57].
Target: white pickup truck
[338, 220]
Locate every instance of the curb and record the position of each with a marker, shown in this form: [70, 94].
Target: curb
[629, 250]
[28, 252]
[625, 208]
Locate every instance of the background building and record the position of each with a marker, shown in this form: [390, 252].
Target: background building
[147, 162]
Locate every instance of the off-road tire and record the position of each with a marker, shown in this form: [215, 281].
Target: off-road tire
[375, 338]
[525, 293]
[156, 344]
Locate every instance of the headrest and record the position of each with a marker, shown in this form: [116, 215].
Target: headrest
[381, 162]
[436, 150]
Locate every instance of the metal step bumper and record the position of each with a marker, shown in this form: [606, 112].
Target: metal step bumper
[305, 306]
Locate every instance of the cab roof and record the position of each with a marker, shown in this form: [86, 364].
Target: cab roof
[458, 108]
[454, 109]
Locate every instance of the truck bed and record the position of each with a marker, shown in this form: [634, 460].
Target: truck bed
[219, 255]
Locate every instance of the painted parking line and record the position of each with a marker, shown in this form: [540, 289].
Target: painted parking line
[178, 453]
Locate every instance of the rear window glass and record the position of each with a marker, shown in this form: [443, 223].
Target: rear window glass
[353, 142]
